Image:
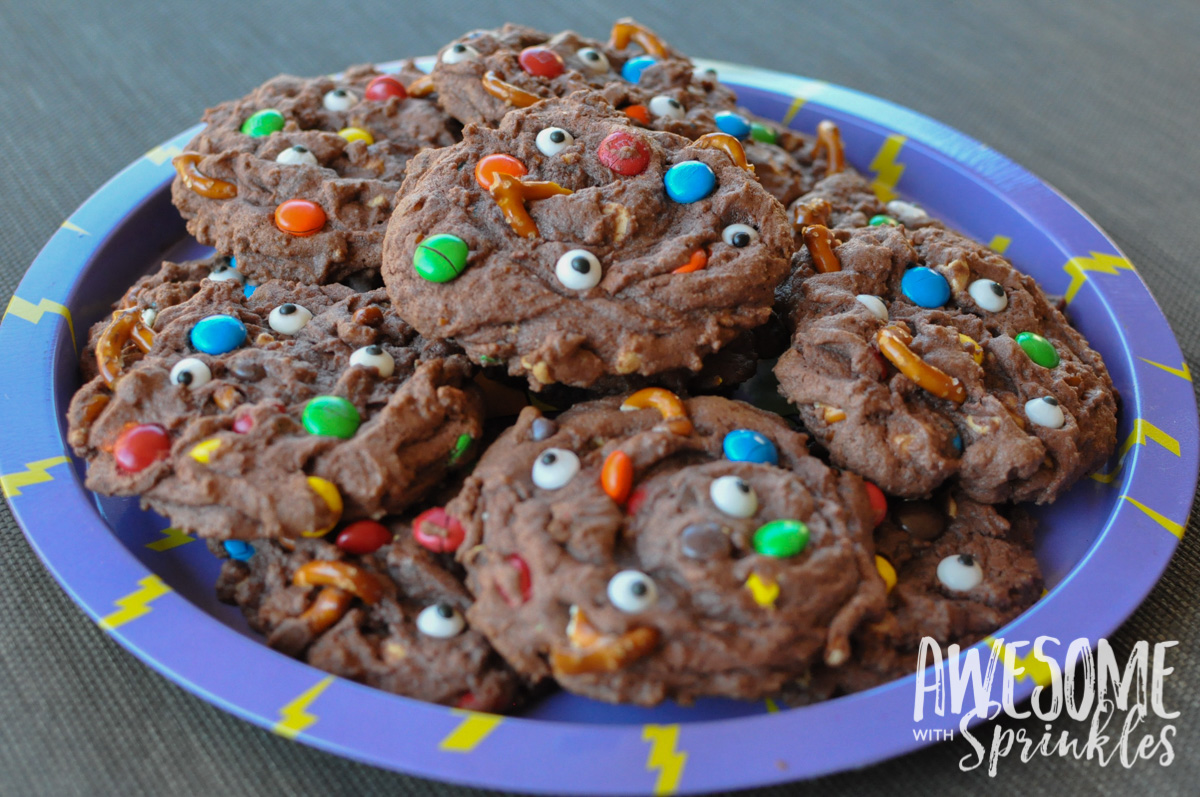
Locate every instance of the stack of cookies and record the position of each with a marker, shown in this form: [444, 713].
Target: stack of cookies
[456, 398]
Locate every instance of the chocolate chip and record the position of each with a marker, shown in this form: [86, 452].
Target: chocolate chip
[921, 519]
[542, 428]
[247, 371]
[704, 541]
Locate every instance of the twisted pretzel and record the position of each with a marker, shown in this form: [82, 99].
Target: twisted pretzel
[893, 343]
[342, 575]
[727, 144]
[187, 167]
[829, 141]
[124, 327]
[672, 409]
[626, 30]
[591, 651]
[518, 98]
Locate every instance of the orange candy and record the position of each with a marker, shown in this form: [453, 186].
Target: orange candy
[491, 165]
[638, 113]
[616, 477]
[697, 261]
[299, 217]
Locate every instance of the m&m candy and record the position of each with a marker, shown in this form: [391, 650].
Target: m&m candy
[732, 123]
[263, 123]
[299, 217]
[781, 538]
[441, 257]
[541, 62]
[239, 550]
[747, 445]
[624, 152]
[762, 133]
[218, 334]
[384, 87]
[925, 287]
[364, 537]
[689, 181]
[1040, 350]
[139, 447]
[634, 67]
[332, 416]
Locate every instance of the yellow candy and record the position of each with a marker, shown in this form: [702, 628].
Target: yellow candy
[973, 348]
[203, 451]
[886, 572]
[764, 591]
[356, 134]
[332, 498]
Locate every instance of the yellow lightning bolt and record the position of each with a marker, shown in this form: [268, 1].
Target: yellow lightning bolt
[136, 603]
[1143, 430]
[68, 225]
[793, 109]
[295, 716]
[1036, 669]
[670, 764]
[1182, 373]
[1162, 520]
[160, 155]
[1078, 267]
[471, 732]
[887, 171]
[172, 538]
[772, 706]
[34, 473]
[1000, 244]
[33, 312]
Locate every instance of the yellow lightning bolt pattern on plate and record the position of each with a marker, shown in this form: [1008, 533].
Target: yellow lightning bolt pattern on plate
[69, 225]
[135, 604]
[172, 538]
[1182, 373]
[1162, 520]
[294, 716]
[793, 109]
[33, 313]
[34, 473]
[1078, 267]
[663, 757]
[470, 733]
[1143, 430]
[1036, 670]
[887, 170]
[999, 244]
[160, 155]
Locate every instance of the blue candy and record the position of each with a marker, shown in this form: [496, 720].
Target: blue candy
[218, 334]
[746, 445]
[925, 287]
[248, 289]
[634, 67]
[239, 549]
[689, 181]
[733, 124]
[958, 444]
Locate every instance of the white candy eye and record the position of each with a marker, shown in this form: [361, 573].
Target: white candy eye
[223, 273]
[555, 468]
[739, 235]
[593, 60]
[457, 53]
[441, 621]
[579, 270]
[669, 107]
[632, 591]
[190, 372]
[374, 357]
[149, 316]
[288, 319]
[338, 100]
[989, 295]
[1046, 412]
[874, 304]
[553, 140]
[960, 573]
[296, 156]
[906, 212]
[733, 496]
[704, 74]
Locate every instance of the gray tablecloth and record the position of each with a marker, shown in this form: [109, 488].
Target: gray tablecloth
[1098, 98]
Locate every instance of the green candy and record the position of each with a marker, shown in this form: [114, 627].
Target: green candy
[487, 359]
[263, 123]
[760, 132]
[460, 447]
[781, 538]
[878, 221]
[441, 257]
[1040, 350]
[332, 416]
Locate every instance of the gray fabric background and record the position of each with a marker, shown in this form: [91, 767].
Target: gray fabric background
[1099, 98]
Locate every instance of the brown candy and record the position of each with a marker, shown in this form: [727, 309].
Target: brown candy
[921, 519]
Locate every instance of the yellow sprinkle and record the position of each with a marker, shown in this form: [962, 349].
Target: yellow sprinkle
[203, 451]
[886, 572]
[356, 134]
[765, 592]
[329, 493]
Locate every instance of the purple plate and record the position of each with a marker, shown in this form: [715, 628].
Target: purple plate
[1102, 547]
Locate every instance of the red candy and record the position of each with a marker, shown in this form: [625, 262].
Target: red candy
[541, 62]
[635, 501]
[363, 537]
[524, 579]
[624, 152]
[139, 447]
[638, 113]
[878, 502]
[491, 165]
[437, 531]
[243, 423]
[385, 87]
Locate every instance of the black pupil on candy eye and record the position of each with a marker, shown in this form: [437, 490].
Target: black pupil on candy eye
[339, 92]
[300, 149]
[549, 459]
[591, 56]
[374, 351]
[557, 136]
[996, 289]
[444, 610]
[674, 103]
[458, 48]
[966, 560]
[219, 269]
[638, 588]
[745, 488]
[287, 309]
[1053, 402]
[581, 264]
[741, 239]
[184, 378]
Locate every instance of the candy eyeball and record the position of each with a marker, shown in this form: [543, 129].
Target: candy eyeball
[707, 73]
[553, 140]
[593, 60]
[663, 106]
[555, 467]
[733, 496]
[579, 270]
[960, 573]
[338, 100]
[632, 591]
[1045, 412]
[440, 621]
[457, 53]
[989, 295]
[875, 305]
[225, 273]
[190, 372]
[288, 319]
[374, 356]
[296, 156]
[739, 235]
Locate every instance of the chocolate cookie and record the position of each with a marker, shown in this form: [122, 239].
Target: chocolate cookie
[273, 415]
[920, 356]
[296, 179]
[597, 249]
[391, 618]
[660, 548]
